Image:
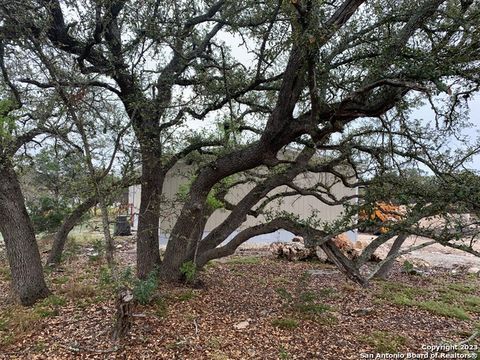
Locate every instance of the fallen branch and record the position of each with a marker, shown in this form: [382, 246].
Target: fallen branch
[472, 337]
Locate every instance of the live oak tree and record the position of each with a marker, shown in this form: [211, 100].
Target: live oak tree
[138, 105]
[15, 226]
[31, 121]
[76, 168]
[334, 81]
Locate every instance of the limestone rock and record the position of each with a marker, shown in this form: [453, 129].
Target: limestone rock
[360, 245]
[380, 254]
[241, 325]
[416, 266]
[345, 245]
[419, 263]
[321, 254]
[292, 251]
[474, 270]
[298, 239]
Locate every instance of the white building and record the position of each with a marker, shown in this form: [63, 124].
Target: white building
[303, 206]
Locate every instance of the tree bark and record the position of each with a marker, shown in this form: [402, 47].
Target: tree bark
[124, 315]
[384, 270]
[22, 250]
[344, 264]
[148, 254]
[60, 239]
[109, 246]
[279, 130]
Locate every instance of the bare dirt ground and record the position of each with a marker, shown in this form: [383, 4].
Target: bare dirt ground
[436, 255]
[248, 307]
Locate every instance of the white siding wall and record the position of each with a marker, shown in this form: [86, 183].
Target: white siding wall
[303, 206]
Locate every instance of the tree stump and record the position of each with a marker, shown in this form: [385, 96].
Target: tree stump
[123, 321]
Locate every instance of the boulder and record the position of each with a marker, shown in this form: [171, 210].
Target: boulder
[419, 263]
[321, 254]
[359, 245]
[474, 270]
[343, 242]
[298, 239]
[380, 253]
[292, 251]
[345, 245]
[241, 325]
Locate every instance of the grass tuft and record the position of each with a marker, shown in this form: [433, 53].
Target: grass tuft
[285, 323]
[384, 341]
[444, 309]
[186, 295]
[312, 309]
[245, 260]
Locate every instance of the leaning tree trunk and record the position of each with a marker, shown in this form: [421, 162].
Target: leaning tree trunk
[148, 254]
[344, 264]
[22, 250]
[384, 270]
[69, 223]
[109, 246]
[182, 246]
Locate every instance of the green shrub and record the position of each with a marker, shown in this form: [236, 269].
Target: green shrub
[408, 267]
[5, 273]
[309, 308]
[327, 292]
[105, 277]
[47, 213]
[189, 271]
[49, 306]
[283, 353]
[144, 290]
[72, 248]
[463, 288]
[161, 308]
[98, 250]
[307, 296]
[3, 324]
[326, 319]
[471, 300]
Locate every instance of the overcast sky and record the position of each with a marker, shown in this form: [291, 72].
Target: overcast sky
[425, 113]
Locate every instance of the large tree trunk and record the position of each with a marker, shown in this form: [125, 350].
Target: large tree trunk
[148, 254]
[181, 242]
[69, 223]
[279, 132]
[22, 251]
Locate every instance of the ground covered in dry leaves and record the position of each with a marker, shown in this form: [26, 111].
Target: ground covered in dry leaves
[247, 307]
